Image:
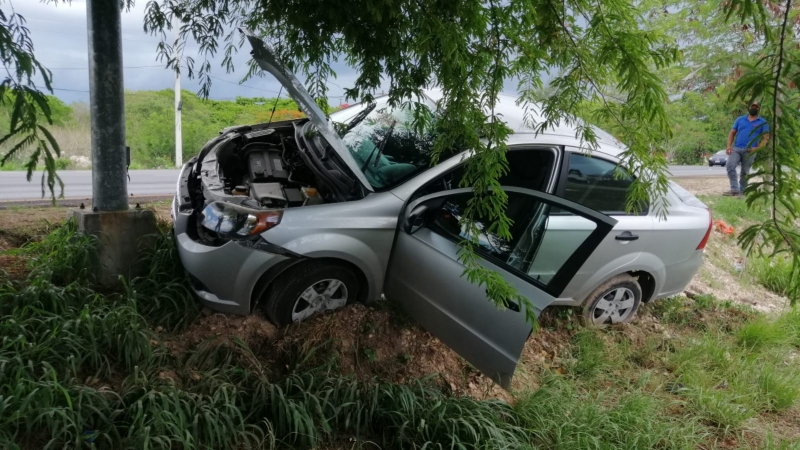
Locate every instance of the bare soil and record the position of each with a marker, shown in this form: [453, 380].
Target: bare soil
[717, 276]
[704, 186]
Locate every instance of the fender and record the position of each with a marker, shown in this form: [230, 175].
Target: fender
[370, 260]
[644, 262]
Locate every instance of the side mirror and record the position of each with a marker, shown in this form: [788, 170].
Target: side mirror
[415, 219]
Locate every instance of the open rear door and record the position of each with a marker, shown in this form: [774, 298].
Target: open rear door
[425, 276]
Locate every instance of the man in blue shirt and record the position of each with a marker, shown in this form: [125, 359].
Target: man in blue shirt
[748, 134]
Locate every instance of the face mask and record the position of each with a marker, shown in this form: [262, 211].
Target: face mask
[753, 112]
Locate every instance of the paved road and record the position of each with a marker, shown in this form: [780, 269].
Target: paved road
[696, 171]
[78, 183]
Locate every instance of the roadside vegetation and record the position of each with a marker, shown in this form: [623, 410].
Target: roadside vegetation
[774, 272]
[149, 126]
[139, 368]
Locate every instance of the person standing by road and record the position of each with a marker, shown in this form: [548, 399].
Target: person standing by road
[748, 134]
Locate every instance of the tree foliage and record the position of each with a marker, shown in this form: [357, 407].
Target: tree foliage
[467, 48]
[30, 106]
[773, 78]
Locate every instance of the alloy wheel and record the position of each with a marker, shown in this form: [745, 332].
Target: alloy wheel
[614, 307]
[324, 295]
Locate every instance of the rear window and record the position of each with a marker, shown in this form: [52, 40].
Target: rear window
[597, 184]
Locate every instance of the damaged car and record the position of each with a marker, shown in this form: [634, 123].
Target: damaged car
[308, 215]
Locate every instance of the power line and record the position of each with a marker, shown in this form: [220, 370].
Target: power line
[86, 68]
[242, 85]
[54, 20]
[69, 90]
[81, 34]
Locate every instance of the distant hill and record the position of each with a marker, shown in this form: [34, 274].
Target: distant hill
[149, 125]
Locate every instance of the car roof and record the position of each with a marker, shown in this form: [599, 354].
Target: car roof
[520, 119]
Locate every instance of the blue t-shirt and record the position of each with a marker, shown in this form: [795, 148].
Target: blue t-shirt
[747, 131]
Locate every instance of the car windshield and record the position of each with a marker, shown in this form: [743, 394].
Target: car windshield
[720, 153]
[405, 152]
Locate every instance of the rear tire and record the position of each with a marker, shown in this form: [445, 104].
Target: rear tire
[615, 301]
[308, 289]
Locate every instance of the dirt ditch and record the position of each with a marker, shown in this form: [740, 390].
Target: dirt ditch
[378, 341]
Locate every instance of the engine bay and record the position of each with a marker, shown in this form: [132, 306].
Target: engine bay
[260, 168]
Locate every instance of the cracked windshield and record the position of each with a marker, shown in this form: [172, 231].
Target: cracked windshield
[388, 147]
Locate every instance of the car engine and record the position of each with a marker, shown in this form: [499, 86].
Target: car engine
[259, 168]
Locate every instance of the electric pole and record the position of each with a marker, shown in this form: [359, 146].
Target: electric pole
[107, 106]
[122, 235]
[178, 105]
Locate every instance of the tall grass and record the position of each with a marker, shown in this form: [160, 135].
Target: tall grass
[560, 416]
[81, 369]
[163, 295]
[727, 385]
[773, 273]
[63, 256]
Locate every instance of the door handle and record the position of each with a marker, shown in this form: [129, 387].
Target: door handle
[512, 305]
[626, 236]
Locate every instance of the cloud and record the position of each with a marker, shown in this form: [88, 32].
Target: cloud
[61, 44]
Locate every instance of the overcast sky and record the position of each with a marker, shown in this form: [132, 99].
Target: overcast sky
[60, 43]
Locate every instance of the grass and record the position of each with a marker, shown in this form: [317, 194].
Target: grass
[773, 273]
[559, 415]
[734, 210]
[78, 367]
[84, 369]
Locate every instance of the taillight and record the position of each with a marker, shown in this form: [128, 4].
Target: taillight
[703, 243]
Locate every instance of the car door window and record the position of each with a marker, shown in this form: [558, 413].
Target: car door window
[527, 168]
[533, 250]
[427, 278]
[597, 184]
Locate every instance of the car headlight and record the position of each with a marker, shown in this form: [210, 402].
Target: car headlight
[237, 222]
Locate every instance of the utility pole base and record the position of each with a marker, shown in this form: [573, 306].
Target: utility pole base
[123, 237]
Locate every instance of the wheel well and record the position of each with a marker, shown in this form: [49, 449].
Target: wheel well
[647, 282]
[267, 278]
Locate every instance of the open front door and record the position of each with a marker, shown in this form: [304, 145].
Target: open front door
[424, 274]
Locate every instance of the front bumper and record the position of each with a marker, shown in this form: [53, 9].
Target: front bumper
[224, 277]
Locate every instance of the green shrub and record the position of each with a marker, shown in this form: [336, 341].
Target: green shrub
[761, 333]
[773, 273]
[63, 256]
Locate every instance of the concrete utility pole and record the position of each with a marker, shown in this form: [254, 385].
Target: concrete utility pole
[122, 234]
[107, 105]
[178, 134]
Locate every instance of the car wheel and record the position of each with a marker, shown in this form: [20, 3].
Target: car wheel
[309, 289]
[710, 164]
[615, 301]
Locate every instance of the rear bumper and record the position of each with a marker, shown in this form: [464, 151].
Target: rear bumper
[679, 275]
[223, 278]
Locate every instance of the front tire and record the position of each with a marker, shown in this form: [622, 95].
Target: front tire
[310, 288]
[615, 301]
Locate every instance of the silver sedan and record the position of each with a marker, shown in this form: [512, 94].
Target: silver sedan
[308, 215]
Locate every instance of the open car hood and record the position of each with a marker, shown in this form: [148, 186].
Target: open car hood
[265, 57]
